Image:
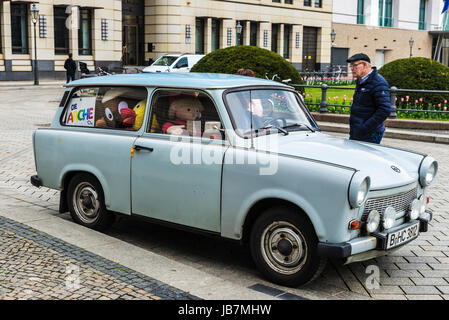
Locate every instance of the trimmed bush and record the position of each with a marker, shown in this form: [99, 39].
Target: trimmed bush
[418, 73]
[261, 61]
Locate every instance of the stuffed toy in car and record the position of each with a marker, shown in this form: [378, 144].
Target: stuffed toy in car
[183, 112]
[139, 110]
[114, 112]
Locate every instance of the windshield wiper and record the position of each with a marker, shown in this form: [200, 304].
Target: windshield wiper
[299, 125]
[285, 132]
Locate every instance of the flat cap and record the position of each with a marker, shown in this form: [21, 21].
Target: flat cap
[359, 56]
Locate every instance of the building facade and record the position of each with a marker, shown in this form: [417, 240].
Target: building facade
[116, 33]
[89, 29]
[386, 30]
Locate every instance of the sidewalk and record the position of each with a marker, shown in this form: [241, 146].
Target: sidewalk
[5, 85]
[432, 136]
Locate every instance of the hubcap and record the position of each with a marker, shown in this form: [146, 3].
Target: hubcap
[86, 202]
[283, 247]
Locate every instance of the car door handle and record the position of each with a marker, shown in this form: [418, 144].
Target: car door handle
[138, 148]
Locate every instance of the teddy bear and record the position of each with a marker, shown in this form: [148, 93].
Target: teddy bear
[114, 111]
[183, 113]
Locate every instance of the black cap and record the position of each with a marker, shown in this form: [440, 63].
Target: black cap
[359, 56]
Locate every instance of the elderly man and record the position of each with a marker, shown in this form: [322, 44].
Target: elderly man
[371, 105]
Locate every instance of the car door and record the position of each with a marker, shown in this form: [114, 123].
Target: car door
[178, 178]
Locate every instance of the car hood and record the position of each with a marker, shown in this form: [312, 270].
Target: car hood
[376, 161]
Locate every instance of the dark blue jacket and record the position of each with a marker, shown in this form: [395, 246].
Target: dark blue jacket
[370, 108]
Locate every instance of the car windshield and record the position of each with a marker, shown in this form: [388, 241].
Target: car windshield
[165, 61]
[264, 110]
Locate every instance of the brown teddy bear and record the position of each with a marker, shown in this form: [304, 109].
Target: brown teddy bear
[114, 111]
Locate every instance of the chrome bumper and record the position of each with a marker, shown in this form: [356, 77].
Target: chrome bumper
[376, 242]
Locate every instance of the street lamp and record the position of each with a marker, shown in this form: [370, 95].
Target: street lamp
[238, 29]
[34, 17]
[411, 42]
[333, 36]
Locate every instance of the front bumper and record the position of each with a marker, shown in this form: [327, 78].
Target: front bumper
[375, 242]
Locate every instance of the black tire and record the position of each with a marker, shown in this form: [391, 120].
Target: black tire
[85, 200]
[284, 247]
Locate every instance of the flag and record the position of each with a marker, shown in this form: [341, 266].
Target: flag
[446, 6]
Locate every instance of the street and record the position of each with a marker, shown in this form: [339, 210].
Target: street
[419, 270]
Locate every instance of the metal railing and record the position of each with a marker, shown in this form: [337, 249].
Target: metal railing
[393, 99]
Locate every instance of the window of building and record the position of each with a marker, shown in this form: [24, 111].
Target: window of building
[121, 108]
[254, 31]
[386, 13]
[85, 32]
[61, 32]
[278, 1]
[274, 37]
[307, 3]
[199, 35]
[361, 12]
[422, 15]
[215, 41]
[318, 4]
[288, 1]
[19, 28]
[287, 37]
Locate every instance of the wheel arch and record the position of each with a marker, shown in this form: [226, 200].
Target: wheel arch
[264, 204]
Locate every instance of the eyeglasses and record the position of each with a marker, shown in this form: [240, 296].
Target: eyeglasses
[355, 65]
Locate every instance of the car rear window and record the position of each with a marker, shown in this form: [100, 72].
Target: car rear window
[106, 107]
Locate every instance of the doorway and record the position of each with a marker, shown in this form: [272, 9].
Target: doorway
[130, 45]
[310, 39]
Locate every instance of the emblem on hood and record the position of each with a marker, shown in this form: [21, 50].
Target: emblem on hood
[396, 169]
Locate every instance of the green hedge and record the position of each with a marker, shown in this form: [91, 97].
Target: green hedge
[261, 61]
[418, 73]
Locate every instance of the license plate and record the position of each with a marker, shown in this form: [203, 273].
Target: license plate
[402, 236]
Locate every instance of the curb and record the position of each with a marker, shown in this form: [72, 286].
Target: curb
[391, 133]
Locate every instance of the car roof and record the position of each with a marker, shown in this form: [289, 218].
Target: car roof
[179, 80]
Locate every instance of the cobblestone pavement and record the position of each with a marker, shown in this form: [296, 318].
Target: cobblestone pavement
[419, 270]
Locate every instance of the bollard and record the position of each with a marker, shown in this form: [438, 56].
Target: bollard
[323, 104]
[393, 93]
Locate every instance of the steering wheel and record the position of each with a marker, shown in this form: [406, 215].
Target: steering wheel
[274, 122]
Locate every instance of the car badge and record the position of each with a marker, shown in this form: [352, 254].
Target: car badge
[396, 169]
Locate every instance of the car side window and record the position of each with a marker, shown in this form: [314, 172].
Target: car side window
[185, 113]
[106, 107]
[182, 63]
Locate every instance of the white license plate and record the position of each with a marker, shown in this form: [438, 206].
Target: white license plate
[402, 236]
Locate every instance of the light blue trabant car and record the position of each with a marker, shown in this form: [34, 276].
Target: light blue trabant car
[233, 156]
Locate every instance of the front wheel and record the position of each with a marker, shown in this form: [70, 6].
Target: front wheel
[86, 202]
[283, 245]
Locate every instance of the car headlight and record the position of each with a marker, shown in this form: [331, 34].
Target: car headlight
[389, 217]
[373, 220]
[427, 171]
[415, 209]
[358, 189]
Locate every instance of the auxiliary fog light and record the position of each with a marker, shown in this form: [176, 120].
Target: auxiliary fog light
[415, 209]
[423, 204]
[373, 220]
[389, 218]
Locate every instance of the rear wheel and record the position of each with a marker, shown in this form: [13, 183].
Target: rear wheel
[86, 202]
[283, 246]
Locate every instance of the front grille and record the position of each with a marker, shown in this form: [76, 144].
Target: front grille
[400, 202]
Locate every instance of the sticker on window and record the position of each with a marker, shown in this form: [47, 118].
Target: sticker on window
[81, 112]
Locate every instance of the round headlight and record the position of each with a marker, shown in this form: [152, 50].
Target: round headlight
[358, 189]
[389, 217]
[415, 209]
[431, 173]
[427, 171]
[363, 192]
[372, 223]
